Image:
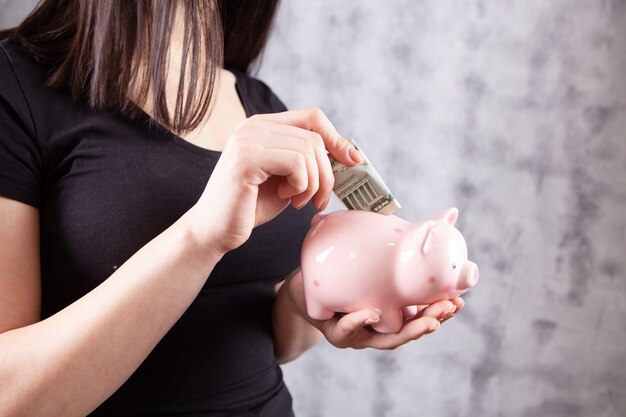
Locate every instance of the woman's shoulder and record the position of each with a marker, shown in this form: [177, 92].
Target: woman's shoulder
[25, 93]
[19, 65]
[258, 97]
[19, 73]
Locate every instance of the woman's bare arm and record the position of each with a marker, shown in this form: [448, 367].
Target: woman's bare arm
[293, 334]
[92, 346]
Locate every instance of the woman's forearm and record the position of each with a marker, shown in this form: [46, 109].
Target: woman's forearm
[293, 335]
[71, 362]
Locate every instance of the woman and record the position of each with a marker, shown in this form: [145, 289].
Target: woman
[153, 199]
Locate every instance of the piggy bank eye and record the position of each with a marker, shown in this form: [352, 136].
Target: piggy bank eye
[453, 265]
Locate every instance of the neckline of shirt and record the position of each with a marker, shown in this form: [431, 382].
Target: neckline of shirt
[173, 137]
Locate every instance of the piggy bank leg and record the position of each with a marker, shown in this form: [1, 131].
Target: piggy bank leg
[390, 321]
[318, 312]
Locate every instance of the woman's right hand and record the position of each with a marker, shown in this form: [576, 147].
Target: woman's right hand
[269, 162]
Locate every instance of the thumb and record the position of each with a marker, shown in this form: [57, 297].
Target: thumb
[351, 323]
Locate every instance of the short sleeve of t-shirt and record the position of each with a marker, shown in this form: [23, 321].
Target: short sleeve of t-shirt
[20, 157]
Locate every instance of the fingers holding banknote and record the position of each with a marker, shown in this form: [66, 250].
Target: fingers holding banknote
[315, 130]
[269, 162]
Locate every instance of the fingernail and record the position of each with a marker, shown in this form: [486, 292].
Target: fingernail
[435, 325]
[325, 204]
[378, 311]
[301, 204]
[371, 320]
[451, 309]
[354, 155]
[319, 205]
[282, 194]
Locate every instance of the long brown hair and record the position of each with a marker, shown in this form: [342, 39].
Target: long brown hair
[114, 53]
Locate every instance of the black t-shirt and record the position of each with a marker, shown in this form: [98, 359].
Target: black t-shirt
[105, 185]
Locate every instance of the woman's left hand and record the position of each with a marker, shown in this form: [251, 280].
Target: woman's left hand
[352, 330]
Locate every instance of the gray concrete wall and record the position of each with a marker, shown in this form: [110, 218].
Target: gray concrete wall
[515, 112]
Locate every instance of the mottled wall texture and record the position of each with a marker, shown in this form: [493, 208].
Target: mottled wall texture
[514, 112]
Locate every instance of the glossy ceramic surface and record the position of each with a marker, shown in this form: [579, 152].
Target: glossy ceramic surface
[353, 260]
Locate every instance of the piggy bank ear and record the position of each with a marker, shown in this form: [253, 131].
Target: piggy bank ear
[428, 239]
[449, 216]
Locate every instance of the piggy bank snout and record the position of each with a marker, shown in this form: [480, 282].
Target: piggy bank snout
[468, 276]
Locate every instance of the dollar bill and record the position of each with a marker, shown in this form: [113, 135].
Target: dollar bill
[360, 187]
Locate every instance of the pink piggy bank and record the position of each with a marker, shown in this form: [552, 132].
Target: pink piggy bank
[353, 260]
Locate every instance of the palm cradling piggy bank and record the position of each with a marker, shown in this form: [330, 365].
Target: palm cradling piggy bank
[353, 260]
